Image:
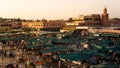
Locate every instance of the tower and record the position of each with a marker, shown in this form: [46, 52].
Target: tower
[105, 17]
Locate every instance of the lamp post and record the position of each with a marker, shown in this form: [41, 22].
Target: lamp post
[111, 26]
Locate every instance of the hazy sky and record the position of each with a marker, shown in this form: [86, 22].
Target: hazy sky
[56, 9]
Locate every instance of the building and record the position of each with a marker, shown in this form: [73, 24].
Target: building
[12, 23]
[30, 24]
[50, 25]
[105, 18]
[16, 25]
[93, 20]
[86, 20]
[115, 22]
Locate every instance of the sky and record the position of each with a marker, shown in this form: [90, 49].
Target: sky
[56, 9]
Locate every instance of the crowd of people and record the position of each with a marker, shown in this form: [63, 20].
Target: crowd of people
[26, 50]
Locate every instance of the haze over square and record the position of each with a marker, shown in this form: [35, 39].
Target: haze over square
[56, 9]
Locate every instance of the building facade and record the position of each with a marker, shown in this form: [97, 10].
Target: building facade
[115, 22]
[93, 20]
[11, 24]
[47, 25]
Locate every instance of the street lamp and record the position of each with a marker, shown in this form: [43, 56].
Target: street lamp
[111, 26]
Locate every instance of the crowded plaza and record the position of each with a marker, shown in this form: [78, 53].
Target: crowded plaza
[78, 49]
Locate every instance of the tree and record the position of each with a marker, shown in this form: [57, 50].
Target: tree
[26, 29]
[70, 20]
[44, 20]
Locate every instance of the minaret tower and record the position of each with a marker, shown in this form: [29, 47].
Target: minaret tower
[105, 17]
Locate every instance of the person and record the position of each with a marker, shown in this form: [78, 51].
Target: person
[28, 63]
[9, 66]
[59, 64]
[20, 66]
[16, 65]
[2, 57]
[34, 66]
[25, 64]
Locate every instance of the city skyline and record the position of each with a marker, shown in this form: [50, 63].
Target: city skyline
[56, 9]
